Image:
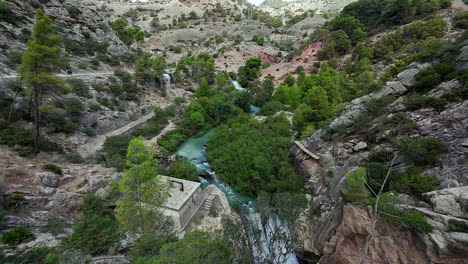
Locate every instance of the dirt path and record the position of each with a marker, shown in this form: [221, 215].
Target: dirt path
[66, 76]
[171, 126]
[94, 144]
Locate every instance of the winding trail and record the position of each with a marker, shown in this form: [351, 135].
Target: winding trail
[65, 75]
[169, 127]
[94, 144]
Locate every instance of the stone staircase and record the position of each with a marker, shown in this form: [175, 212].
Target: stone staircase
[208, 202]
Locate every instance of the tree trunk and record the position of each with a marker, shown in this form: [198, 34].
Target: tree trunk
[14, 101]
[36, 117]
[30, 106]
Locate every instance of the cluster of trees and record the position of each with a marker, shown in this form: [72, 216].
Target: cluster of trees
[150, 70]
[374, 14]
[252, 156]
[196, 68]
[317, 97]
[128, 35]
[262, 16]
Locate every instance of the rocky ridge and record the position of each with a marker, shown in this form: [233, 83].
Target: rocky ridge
[339, 231]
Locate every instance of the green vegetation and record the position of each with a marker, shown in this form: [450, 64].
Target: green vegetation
[40, 60]
[196, 68]
[412, 182]
[23, 140]
[255, 14]
[375, 14]
[457, 226]
[405, 217]
[38, 255]
[416, 101]
[7, 14]
[258, 39]
[128, 35]
[96, 230]
[424, 151]
[249, 72]
[149, 70]
[171, 140]
[17, 236]
[115, 150]
[253, 156]
[53, 168]
[141, 186]
[461, 20]
[183, 170]
[355, 190]
[79, 87]
[204, 248]
[431, 77]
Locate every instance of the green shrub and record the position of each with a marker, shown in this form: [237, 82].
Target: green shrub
[175, 49]
[424, 151]
[412, 182]
[456, 95]
[148, 245]
[115, 149]
[204, 248]
[258, 39]
[382, 156]
[271, 107]
[408, 218]
[56, 225]
[79, 87]
[96, 230]
[184, 170]
[14, 59]
[116, 89]
[213, 212]
[23, 141]
[376, 173]
[38, 255]
[355, 191]
[461, 20]
[7, 14]
[416, 101]
[173, 139]
[431, 77]
[53, 168]
[74, 158]
[457, 226]
[17, 236]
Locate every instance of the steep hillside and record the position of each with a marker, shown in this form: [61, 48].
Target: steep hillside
[307, 131]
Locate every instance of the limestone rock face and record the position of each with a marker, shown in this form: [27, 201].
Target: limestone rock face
[49, 179]
[339, 231]
[451, 201]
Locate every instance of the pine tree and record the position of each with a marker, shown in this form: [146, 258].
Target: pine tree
[40, 60]
[139, 208]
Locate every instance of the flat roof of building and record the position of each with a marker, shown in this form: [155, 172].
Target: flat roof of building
[178, 197]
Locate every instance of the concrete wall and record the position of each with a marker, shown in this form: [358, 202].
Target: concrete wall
[190, 207]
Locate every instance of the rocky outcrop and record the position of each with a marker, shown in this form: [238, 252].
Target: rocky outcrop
[450, 201]
[339, 231]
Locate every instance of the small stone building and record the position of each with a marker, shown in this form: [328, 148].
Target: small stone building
[186, 198]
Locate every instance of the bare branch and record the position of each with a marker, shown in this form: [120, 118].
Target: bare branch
[375, 213]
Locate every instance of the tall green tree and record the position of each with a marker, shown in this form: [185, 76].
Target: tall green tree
[40, 60]
[149, 70]
[143, 193]
[250, 71]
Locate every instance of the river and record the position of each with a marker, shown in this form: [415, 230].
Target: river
[266, 244]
